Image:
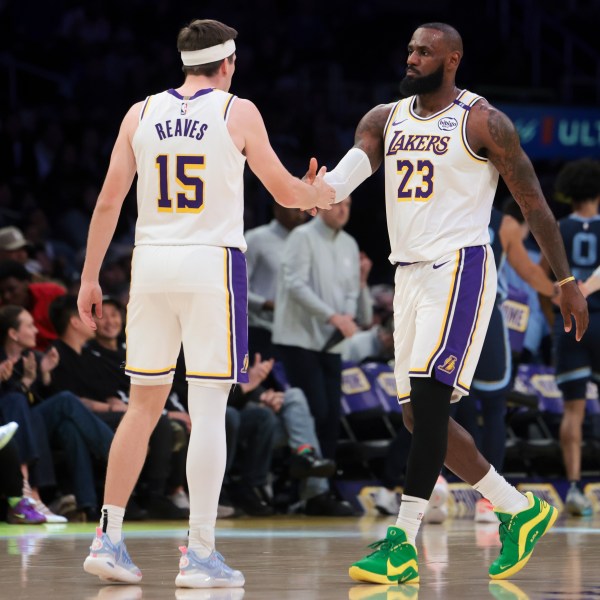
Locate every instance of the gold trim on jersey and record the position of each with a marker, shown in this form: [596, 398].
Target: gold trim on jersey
[443, 328]
[437, 114]
[390, 120]
[481, 303]
[145, 107]
[227, 106]
[403, 398]
[463, 133]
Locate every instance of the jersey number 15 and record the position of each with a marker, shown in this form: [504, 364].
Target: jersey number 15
[193, 203]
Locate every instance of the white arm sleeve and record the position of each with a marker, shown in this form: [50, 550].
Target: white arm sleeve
[349, 173]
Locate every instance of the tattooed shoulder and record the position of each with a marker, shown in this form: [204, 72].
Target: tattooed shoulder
[373, 123]
[500, 128]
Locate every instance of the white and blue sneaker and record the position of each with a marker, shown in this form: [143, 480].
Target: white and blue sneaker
[109, 561]
[210, 572]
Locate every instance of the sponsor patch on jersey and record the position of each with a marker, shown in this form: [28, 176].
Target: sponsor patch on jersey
[447, 123]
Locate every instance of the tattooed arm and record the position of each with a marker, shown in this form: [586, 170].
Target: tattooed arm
[362, 160]
[491, 133]
[369, 134]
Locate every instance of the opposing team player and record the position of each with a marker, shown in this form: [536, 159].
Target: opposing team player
[443, 149]
[578, 182]
[188, 146]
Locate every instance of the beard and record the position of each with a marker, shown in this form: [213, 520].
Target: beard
[411, 86]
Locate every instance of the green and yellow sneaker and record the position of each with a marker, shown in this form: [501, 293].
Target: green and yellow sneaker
[519, 534]
[394, 561]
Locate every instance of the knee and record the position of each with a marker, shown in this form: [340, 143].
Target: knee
[15, 400]
[67, 401]
[295, 398]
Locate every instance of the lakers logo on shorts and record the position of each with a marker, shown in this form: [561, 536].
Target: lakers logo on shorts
[246, 363]
[449, 364]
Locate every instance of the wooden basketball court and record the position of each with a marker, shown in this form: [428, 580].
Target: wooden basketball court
[302, 558]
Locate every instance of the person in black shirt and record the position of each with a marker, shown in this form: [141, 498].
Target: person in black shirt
[93, 380]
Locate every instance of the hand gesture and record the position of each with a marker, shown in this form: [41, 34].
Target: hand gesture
[325, 193]
[345, 323]
[6, 369]
[50, 360]
[90, 297]
[272, 399]
[573, 303]
[311, 174]
[309, 177]
[258, 372]
[116, 404]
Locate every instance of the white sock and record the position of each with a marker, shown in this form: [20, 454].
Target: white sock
[111, 522]
[410, 516]
[503, 496]
[207, 453]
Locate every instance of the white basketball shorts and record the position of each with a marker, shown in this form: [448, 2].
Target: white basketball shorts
[441, 313]
[195, 295]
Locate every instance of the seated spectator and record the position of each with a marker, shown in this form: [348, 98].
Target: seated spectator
[322, 297]
[249, 439]
[263, 257]
[93, 379]
[376, 343]
[21, 510]
[42, 416]
[249, 455]
[14, 246]
[16, 288]
[295, 427]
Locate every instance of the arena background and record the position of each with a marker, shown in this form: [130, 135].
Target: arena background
[70, 71]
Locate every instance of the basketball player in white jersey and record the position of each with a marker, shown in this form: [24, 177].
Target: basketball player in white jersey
[443, 149]
[188, 146]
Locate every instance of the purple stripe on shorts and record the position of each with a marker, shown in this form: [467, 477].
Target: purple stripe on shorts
[448, 363]
[238, 289]
[455, 287]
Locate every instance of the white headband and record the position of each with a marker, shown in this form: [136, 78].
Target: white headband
[192, 58]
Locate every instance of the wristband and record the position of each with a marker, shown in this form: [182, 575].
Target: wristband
[566, 280]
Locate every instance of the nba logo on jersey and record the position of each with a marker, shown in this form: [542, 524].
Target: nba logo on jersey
[449, 364]
[246, 364]
[183, 110]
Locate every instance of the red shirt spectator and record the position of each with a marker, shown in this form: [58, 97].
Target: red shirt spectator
[16, 288]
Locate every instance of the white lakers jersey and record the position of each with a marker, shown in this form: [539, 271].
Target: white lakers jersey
[190, 173]
[439, 193]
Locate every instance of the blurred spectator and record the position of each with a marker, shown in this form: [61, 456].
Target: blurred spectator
[263, 257]
[21, 510]
[16, 288]
[14, 246]
[295, 428]
[93, 380]
[45, 419]
[321, 295]
[376, 343]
